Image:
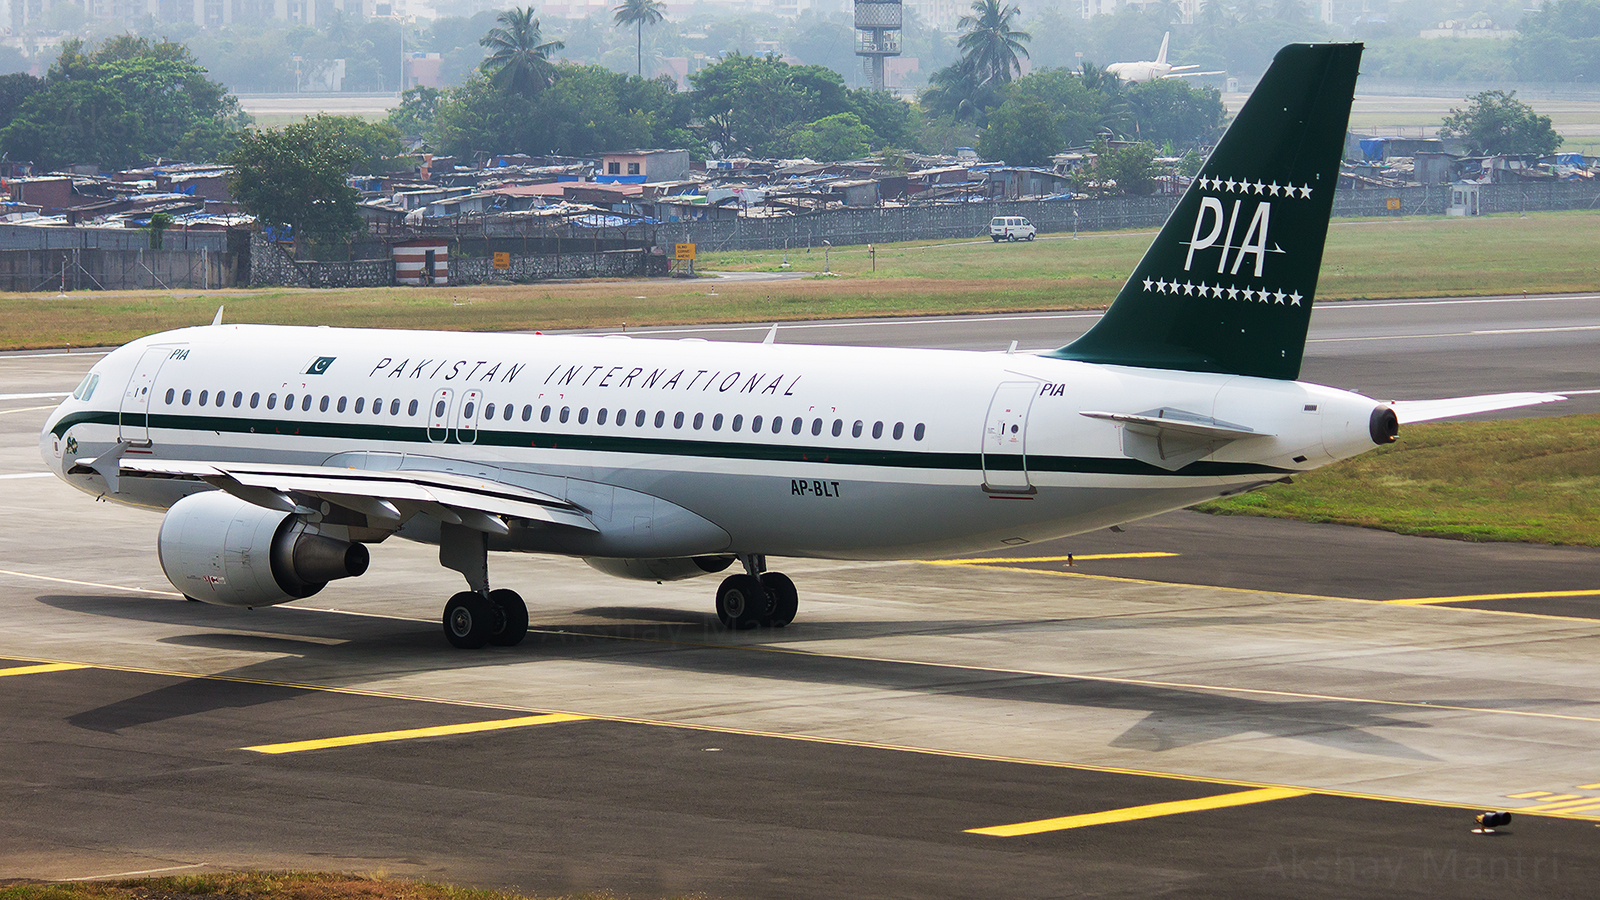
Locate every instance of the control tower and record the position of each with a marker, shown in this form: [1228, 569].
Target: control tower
[877, 36]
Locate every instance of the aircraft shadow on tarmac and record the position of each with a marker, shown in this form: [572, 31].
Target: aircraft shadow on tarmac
[361, 648]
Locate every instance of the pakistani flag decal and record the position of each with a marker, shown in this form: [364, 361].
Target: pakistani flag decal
[320, 365]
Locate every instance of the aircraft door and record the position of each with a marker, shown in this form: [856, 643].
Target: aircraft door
[133, 417]
[467, 418]
[1005, 435]
[438, 416]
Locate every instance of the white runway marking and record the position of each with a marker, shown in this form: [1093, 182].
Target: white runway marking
[26, 475]
[48, 396]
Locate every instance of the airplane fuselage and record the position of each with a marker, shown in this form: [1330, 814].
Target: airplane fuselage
[682, 448]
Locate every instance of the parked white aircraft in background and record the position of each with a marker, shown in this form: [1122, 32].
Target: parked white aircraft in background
[1150, 70]
[280, 454]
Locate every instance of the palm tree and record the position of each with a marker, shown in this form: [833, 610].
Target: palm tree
[518, 60]
[639, 13]
[989, 45]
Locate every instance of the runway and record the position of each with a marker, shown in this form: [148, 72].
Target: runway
[1262, 709]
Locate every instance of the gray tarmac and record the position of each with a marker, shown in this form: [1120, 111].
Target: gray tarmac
[1349, 737]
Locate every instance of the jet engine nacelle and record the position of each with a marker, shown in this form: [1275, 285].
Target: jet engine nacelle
[660, 569]
[217, 548]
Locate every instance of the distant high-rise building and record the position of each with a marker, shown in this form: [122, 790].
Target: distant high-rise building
[877, 36]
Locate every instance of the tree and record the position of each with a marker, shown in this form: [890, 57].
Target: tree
[297, 177]
[519, 57]
[1560, 42]
[1167, 110]
[1495, 122]
[840, 136]
[128, 101]
[414, 116]
[989, 45]
[1131, 169]
[1025, 133]
[752, 104]
[639, 13]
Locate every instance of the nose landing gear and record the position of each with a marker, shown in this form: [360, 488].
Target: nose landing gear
[757, 597]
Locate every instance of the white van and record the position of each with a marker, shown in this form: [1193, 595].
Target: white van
[1011, 228]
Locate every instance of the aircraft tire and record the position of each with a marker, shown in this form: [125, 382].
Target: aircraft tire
[469, 618]
[513, 618]
[785, 599]
[741, 602]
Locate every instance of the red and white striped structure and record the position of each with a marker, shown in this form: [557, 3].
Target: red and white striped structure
[422, 262]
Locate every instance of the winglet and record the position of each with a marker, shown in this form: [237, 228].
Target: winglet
[217, 319]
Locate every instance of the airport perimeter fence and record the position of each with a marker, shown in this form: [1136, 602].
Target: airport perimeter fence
[969, 221]
[547, 267]
[77, 269]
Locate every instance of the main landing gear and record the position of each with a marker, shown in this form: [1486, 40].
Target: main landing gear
[476, 617]
[757, 597]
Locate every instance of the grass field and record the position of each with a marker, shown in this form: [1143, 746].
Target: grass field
[259, 886]
[1364, 258]
[1532, 480]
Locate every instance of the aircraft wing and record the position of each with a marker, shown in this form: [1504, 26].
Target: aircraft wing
[1192, 74]
[1409, 411]
[388, 496]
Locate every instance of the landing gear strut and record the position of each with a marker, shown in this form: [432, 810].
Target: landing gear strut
[478, 616]
[757, 597]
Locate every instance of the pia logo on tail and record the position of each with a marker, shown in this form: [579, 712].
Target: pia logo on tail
[1211, 220]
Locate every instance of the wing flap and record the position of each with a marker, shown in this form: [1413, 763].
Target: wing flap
[1412, 411]
[381, 494]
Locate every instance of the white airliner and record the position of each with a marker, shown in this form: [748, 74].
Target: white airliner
[1150, 70]
[280, 454]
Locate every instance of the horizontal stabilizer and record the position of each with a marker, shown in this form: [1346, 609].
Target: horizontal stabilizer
[1173, 438]
[1409, 411]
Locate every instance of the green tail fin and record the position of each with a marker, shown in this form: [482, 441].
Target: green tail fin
[1227, 286]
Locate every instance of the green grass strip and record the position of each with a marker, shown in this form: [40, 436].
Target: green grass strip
[1531, 480]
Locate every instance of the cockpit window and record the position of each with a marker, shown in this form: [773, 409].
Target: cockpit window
[85, 388]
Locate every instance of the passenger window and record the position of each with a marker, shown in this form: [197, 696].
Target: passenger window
[716, 422]
[566, 413]
[737, 421]
[899, 430]
[799, 423]
[288, 402]
[187, 396]
[488, 411]
[638, 419]
[699, 419]
[238, 399]
[855, 430]
[877, 430]
[255, 398]
[583, 416]
[838, 427]
[544, 414]
[466, 411]
[661, 418]
[510, 408]
[600, 415]
[816, 427]
[272, 401]
[203, 395]
[777, 424]
[323, 406]
[412, 408]
[527, 412]
[394, 407]
[341, 404]
[677, 420]
[361, 404]
[755, 425]
[170, 393]
[222, 397]
[305, 403]
[921, 430]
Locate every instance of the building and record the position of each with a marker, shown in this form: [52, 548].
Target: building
[643, 166]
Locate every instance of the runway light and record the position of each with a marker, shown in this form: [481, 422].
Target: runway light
[1489, 820]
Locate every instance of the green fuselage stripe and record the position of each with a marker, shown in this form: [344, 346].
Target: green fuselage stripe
[745, 450]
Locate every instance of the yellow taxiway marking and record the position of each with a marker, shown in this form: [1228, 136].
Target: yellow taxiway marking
[41, 669]
[1528, 795]
[1133, 813]
[379, 737]
[1080, 557]
[1589, 787]
[1563, 803]
[1467, 598]
[804, 738]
